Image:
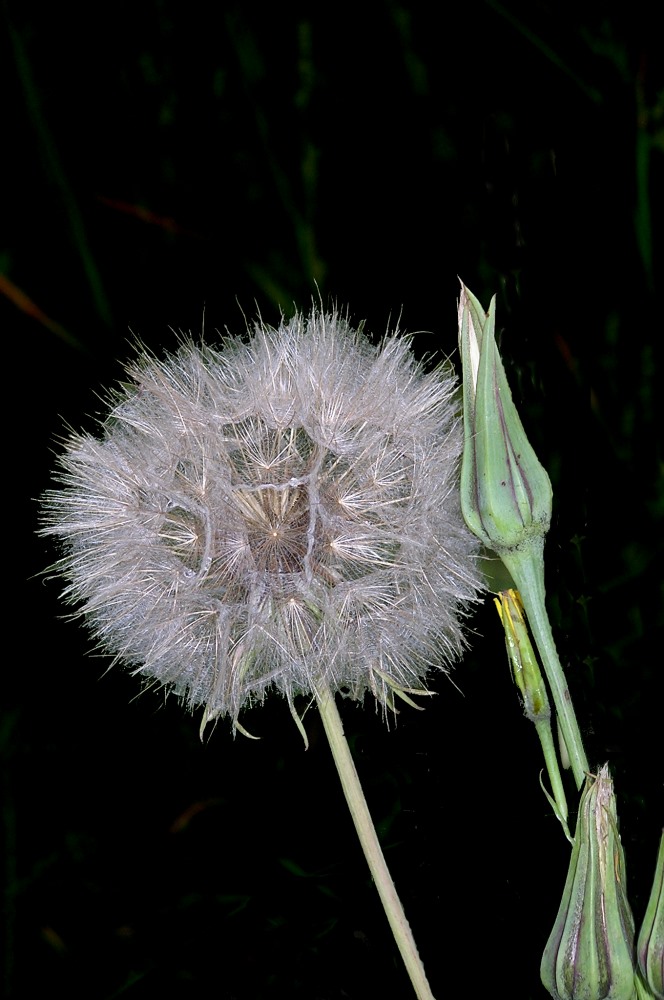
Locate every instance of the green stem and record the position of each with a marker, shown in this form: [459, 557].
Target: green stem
[372, 850]
[545, 734]
[528, 678]
[527, 570]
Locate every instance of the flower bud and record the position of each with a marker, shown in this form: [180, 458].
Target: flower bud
[505, 490]
[589, 953]
[525, 668]
[650, 945]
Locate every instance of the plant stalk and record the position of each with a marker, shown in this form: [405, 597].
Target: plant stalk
[527, 570]
[366, 831]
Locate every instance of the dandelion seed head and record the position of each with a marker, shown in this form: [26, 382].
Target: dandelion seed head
[275, 512]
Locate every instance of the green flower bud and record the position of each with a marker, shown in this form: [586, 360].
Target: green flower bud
[506, 496]
[505, 490]
[589, 953]
[650, 945]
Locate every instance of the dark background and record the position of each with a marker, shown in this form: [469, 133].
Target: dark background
[165, 161]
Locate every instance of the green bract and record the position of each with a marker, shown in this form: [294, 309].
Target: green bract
[650, 946]
[589, 954]
[505, 490]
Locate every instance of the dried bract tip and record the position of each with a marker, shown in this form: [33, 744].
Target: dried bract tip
[279, 510]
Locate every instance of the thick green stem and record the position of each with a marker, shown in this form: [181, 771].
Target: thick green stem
[372, 850]
[527, 570]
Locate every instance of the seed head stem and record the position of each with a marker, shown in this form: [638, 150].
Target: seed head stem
[366, 831]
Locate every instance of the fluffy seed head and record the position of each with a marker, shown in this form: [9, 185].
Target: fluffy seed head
[281, 511]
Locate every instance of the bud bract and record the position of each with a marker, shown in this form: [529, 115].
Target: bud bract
[589, 954]
[650, 945]
[505, 490]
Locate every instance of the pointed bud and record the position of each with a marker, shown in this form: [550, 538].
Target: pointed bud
[505, 490]
[650, 946]
[525, 668]
[589, 953]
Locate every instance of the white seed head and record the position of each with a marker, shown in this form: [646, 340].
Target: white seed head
[276, 513]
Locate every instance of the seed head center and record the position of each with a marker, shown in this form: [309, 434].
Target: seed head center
[277, 524]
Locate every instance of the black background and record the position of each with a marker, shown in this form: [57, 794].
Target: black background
[171, 164]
